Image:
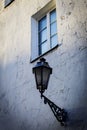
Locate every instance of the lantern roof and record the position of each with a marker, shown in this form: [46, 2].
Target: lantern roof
[42, 63]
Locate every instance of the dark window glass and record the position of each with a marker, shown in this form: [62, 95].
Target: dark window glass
[43, 48]
[53, 29]
[54, 41]
[53, 16]
[42, 35]
[8, 2]
[42, 23]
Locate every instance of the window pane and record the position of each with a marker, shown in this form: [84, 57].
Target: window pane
[43, 48]
[53, 16]
[53, 29]
[43, 36]
[54, 41]
[42, 23]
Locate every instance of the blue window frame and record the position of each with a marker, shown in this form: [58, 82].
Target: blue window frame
[47, 32]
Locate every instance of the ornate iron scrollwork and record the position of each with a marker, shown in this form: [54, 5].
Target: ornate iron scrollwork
[59, 113]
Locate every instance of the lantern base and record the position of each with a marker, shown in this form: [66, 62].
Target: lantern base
[59, 113]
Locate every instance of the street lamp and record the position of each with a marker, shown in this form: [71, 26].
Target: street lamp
[42, 72]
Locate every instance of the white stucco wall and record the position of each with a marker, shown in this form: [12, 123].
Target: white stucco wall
[20, 105]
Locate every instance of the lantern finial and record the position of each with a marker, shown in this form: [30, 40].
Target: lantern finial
[42, 59]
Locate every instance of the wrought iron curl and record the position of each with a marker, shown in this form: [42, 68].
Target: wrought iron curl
[59, 113]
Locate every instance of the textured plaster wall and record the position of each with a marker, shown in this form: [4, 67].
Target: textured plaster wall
[20, 105]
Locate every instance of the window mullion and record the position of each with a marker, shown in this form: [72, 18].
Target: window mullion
[48, 30]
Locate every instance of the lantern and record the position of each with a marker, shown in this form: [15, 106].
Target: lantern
[42, 72]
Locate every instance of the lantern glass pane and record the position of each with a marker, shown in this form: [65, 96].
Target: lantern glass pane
[38, 77]
[46, 75]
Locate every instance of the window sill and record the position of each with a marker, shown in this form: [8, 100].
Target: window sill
[33, 60]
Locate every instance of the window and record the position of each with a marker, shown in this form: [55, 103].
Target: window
[8, 2]
[44, 30]
[47, 32]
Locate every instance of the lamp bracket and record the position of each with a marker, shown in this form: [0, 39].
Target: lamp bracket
[59, 113]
